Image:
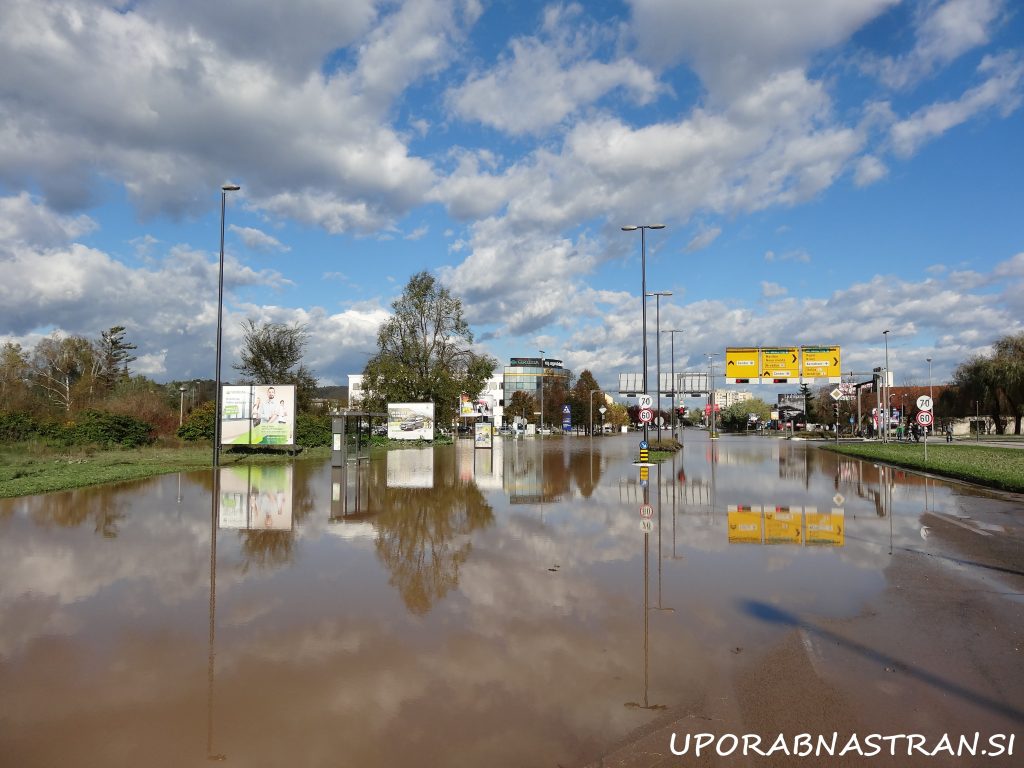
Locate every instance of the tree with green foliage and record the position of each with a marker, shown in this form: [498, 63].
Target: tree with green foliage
[111, 357]
[736, 418]
[59, 365]
[425, 353]
[15, 377]
[521, 404]
[272, 354]
[584, 401]
[810, 406]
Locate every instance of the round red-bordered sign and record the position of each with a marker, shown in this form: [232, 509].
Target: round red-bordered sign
[646, 415]
[924, 418]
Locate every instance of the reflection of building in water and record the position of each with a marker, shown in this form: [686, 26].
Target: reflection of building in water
[532, 476]
[483, 466]
[771, 524]
[256, 497]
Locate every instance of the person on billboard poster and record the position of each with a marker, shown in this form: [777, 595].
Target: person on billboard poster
[255, 413]
[268, 408]
[282, 413]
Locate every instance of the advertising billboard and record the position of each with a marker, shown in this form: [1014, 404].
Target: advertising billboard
[410, 421]
[256, 498]
[483, 436]
[257, 415]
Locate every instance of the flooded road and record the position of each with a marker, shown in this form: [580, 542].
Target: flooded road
[541, 604]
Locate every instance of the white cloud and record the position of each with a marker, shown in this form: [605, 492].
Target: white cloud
[258, 240]
[1001, 91]
[24, 219]
[703, 239]
[944, 31]
[546, 79]
[772, 290]
[735, 45]
[869, 169]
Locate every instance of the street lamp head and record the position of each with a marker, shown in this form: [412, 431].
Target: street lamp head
[630, 228]
[885, 332]
[230, 188]
[655, 226]
[658, 293]
[635, 227]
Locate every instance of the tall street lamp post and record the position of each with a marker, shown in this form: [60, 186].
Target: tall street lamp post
[541, 433]
[711, 394]
[592, 410]
[220, 317]
[643, 290]
[657, 349]
[675, 393]
[886, 421]
[181, 406]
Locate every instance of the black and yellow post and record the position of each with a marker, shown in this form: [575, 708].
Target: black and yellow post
[644, 456]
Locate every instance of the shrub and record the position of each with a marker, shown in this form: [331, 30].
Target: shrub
[312, 431]
[198, 424]
[18, 426]
[105, 428]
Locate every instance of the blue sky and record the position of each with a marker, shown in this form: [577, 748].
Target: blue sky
[825, 169]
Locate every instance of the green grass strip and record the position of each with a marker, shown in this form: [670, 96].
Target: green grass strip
[30, 468]
[1001, 468]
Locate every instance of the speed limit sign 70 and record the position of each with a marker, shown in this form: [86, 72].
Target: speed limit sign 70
[645, 401]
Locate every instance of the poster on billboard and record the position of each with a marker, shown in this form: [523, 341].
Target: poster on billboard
[410, 421]
[483, 435]
[257, 415]
[255, 498]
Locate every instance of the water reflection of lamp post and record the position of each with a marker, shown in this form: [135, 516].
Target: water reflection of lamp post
[210, 754]
[643, 291]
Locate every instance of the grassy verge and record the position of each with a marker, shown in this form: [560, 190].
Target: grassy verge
[29, 468]
[993, 467]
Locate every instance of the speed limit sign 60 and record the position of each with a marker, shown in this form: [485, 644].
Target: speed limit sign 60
[924, 418]
[645, 415]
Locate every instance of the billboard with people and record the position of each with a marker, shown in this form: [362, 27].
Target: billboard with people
[257, 415]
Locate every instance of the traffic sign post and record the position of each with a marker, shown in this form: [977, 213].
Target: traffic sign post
[645, 401]
[924, 403]
[645, 415]
[646, 510]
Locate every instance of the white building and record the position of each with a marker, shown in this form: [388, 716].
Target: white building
[355, 389]
[726, 397]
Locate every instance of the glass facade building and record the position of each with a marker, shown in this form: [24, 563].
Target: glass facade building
[524, 374]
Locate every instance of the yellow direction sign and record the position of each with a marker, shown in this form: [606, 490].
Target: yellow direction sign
[820, 362]
[780, 363]
[741, 363]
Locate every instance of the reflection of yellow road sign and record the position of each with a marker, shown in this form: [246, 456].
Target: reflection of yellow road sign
[645, 474]
[744, 524]
[742, 363]
[780, 363]
[782, 525]
[826, 529]
[820, 362]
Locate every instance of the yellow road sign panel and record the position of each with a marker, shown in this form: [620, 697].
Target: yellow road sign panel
[820, 362]
[744, 524]
[742, 363]
[780, 363]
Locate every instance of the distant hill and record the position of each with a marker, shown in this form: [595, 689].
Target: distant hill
[335, 392]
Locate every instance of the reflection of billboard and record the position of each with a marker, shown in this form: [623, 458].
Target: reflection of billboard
[410, 421]
[411, 468]
[256, 498]
[257, 415]
[785, 525]
[744, 525]
[825, 528]
[782, 525]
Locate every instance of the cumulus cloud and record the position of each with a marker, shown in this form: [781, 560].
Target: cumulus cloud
[258, 240]
[1000, 91]
[547, 78]
[703, 239]
[943, 32]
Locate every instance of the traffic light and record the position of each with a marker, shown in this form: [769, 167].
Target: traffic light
[835, 411]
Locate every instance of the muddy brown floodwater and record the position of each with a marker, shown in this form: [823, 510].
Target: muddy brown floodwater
[541, 604]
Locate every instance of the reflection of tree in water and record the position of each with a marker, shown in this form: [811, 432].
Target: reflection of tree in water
[586, 471]
[422, 537]
[267, 549]
[101, 505]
